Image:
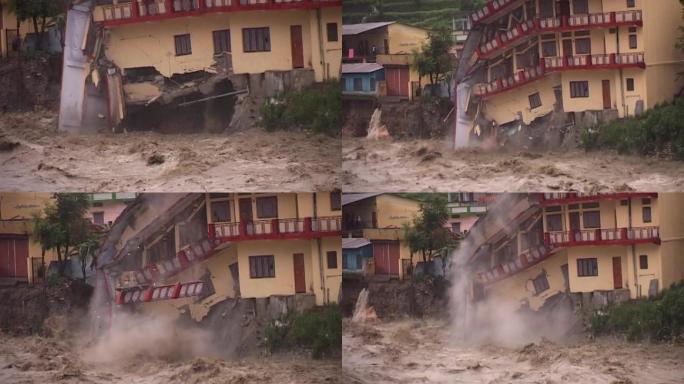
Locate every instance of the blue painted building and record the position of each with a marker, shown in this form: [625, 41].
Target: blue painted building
[355, 254]
[361, 78]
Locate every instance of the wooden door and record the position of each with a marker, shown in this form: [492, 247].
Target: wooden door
[297, 46]
[246, 215]
[299, 277]
[617, 272]
[14, 258]
[397, 79]
[386, 257]
[567, 48]
[607, 104]
[574, 224]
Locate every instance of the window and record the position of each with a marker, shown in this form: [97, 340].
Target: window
[632, 41]
[98, 218]
[535, 100]
[220, 211]
[630, 4]
[221, 41]
[630, 84]
[358, 84]
[456, 227]
[261, 266]
[163, 249]
[581, 6]
[332, 32]
[256, 39]
[267, 207]
[372, 84]
[554, 222]
[183, 45]
[336, 200]
[583, 46]
[548, 48]
[587, 267]
[332, 259]
[646, 213]
[591, 219]
[579, 89]
[541, 283]
[643, 262]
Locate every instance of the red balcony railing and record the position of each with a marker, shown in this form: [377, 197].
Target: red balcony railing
[145, 294]
[304, 228]
[151, 10]
[611, 236]
[536, 26]
[524, 260]
[556, 198]
[491, 9]
[556, 64]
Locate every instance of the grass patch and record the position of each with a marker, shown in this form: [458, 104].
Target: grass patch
[317, 109]
[318, 330]
[660, 131]
[657, 319]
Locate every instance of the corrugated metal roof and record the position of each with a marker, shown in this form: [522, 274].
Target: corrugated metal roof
[355, 29]
[361, 67]
[353, 243]
[349, 198]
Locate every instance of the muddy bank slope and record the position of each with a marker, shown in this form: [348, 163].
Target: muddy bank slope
[33, 157]
[429, 165]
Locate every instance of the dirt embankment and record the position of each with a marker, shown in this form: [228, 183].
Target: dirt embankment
[427, 352]
[397, 299]
[35, 309]
[430, 165]
[30, 83]
[34, 157]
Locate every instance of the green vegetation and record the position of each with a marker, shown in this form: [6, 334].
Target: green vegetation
[660, 131]
[657, 319]
[318, 109]
[427, 234]
[428, 14]
[434, 59]
[39, 13]
[318, 330]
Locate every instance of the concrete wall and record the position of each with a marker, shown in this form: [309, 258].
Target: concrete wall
[394, 211]
[290, 205]
[152, 43]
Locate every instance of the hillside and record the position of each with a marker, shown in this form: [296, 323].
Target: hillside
[429, 14]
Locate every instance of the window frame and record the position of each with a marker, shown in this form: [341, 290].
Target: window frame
[331, 256]
[258, 263]
[179, 43]
[332, 35]
[260, 207]
[579, 89]
[101, 214]
[336, 201]
[252, 35]
[228, 212]
[645, 209]
[587, 267]
[535, 100]
[643, 261]
[630, 84]
[217, 37]
[540, 283]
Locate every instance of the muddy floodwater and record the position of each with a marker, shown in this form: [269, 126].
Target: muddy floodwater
[34, 157]
[428, 165]
[416, 351]
[29, 360]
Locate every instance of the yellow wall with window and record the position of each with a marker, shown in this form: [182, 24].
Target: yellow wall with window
[152, 43]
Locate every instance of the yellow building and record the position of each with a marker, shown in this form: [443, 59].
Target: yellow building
[198, 250]
[8, 29]
[616, 246]
[20, 254]
[611, 58]
[391, 45]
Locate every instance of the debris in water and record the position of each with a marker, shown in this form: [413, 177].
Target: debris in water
[376, 130]
[362, 312]
[8, 145]
[156, 159]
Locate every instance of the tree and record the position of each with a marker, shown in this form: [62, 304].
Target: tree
[434, 59]
[427, 233]
[62, 226]
[38, 12]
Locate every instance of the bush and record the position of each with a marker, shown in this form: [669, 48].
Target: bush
[318, 109]
[318, 330]
[660, 130]
[657, 319]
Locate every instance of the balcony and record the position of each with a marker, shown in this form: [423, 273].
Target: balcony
[557, 64]
[491, 9]
[557, 198]
[146, 294]
[524, 260]
[537, 26]
[153, 10]
[277, 229]
[612, 236]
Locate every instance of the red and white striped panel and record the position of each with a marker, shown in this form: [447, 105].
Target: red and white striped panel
[164, 292]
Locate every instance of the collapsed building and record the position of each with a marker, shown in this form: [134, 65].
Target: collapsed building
[191, 256]
[556, 63]
[595, 248]
[139, 60]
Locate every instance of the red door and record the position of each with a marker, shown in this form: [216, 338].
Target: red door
[297, 46]
[617, 272]
[607, 104]
[13, 257]
[299, 277]
[397, 79]
[386, 257]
